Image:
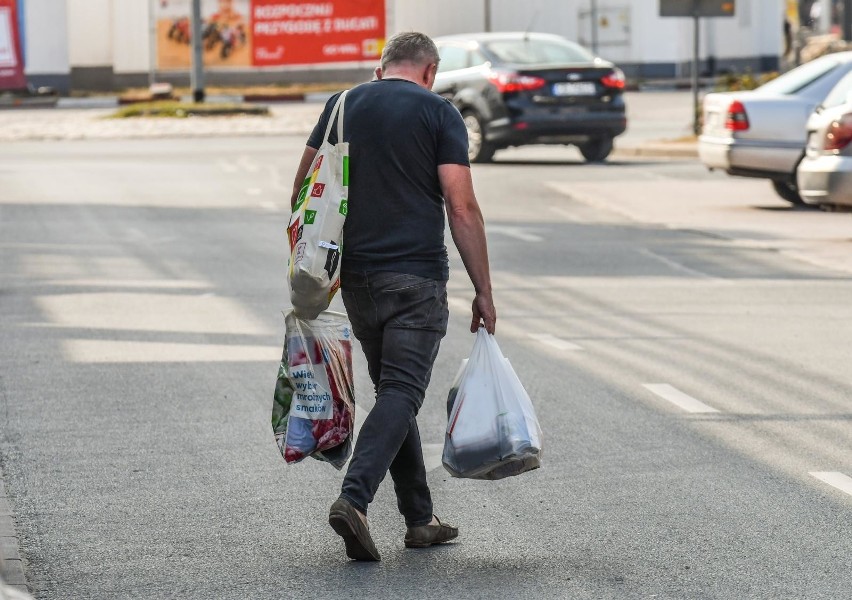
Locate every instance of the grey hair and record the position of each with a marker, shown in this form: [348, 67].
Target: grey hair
[410, 46]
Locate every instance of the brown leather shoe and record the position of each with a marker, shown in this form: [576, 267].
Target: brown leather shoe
[346, 522]
[427, 535]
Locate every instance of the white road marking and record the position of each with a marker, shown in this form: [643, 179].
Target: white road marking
[254, 191]
[678, 398]
[459, 304]
[248, 164]
[112, 351]
[270, 206]
[546, 338]
[433, 455]
[518, 233]
[148, 311]
[676, 265]
[833, 478]
[170, 284]
[227, 166]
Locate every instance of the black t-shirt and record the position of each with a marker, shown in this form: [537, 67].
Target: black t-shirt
[398, 134]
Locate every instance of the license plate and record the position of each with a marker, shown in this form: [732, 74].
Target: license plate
[574, 88]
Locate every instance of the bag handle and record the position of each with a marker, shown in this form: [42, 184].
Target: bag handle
[338, 107]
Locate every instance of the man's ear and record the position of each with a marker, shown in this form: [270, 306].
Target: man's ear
[378, 72]
[429, 75]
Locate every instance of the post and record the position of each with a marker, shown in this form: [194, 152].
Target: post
[594, 18]
[197, 73]
[152, 42]
[847, 20]
[695, 65]
[487, 15]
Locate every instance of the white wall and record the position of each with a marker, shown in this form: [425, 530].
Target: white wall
[46, 37]
[131, 36]
[755, 30]
[435, 17]
[90, 33]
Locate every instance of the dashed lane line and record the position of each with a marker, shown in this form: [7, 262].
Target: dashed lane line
[834, 479]
[550, 340]
[678, 398]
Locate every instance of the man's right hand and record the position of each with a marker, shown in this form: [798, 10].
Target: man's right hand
[483, 312]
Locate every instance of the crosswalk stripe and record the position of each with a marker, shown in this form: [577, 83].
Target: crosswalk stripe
[834, 479]
[678, 398]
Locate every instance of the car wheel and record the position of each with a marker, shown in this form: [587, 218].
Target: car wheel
[478, 150]
[597, 149]
[788, 191]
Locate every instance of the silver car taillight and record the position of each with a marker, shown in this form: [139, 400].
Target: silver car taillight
[839, 134]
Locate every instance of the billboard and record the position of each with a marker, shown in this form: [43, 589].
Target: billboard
[11, 66]
[699, 8]
[270, 33]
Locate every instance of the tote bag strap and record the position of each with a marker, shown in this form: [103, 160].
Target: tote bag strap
[337, 111]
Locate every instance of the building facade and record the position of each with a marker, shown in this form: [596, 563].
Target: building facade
[112, 44]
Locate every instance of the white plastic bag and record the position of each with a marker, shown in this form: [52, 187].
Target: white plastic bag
[316, 225]
[492, 431]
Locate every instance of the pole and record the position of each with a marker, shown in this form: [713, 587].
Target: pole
[695, 50]
[487, 15]
[594, 12]
[197, 73]
[152, 42]
[847, 20]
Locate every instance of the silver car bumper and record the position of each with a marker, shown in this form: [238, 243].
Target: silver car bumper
[732, 154]
[826, 179]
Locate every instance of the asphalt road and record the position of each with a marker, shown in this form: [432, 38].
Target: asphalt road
[684, 337]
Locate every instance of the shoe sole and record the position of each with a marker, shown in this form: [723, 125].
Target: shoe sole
[342, 526]
[427, 544]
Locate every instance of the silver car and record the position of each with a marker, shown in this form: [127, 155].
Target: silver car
[762, 133]
[825, 174]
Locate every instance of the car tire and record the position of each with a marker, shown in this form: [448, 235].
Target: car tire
[478, 150]
[788, 191]
[596, 149]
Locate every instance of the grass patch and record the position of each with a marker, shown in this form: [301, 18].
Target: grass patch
[182, 110]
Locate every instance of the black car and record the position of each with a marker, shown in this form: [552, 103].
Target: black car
[531, 88]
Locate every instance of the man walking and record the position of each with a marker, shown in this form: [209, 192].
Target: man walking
[408, 157]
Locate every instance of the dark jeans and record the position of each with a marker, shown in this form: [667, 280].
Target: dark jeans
[399, 320]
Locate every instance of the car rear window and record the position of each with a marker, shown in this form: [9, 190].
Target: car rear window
[800, 77]
[840, 94]
[538, 52]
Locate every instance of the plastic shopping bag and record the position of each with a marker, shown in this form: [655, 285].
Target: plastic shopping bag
[313, 411]
[492, 431]
[316, 225]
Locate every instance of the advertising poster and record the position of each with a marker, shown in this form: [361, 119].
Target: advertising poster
[271, 33]
[11, 66]
[225, 32]
[296, 32]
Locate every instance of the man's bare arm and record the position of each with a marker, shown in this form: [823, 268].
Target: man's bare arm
[302, 172]
[468, 229]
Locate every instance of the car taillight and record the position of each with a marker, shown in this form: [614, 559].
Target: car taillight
[737, 119]
[508, 81]
[614, 79]
[839, 134]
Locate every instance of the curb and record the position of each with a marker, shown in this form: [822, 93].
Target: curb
[115, 101]
[12, 565]
[657, 150]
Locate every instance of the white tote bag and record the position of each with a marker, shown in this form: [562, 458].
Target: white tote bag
[316, 225]
[493, 431]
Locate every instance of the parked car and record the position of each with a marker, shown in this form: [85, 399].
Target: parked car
[762, 133]
[515, 89]
[824, 176]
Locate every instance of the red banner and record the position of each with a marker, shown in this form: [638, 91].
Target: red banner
[11, 66]
[298, 32]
